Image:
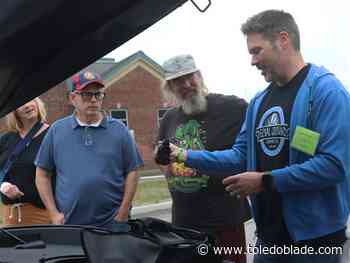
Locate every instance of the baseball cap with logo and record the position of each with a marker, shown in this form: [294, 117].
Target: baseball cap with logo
[84, 78]
[179, 66]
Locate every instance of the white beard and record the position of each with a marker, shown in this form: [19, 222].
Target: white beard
[194, 105]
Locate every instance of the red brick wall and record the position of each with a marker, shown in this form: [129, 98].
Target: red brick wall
[56, 102]
[139, 93]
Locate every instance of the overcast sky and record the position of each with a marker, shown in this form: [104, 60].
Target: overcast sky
[219, 48]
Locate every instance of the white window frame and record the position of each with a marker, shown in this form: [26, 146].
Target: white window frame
[126, 120]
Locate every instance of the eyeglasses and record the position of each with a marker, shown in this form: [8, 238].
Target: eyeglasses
[87, 95]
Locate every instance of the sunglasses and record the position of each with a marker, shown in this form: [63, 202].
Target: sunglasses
[87, 95]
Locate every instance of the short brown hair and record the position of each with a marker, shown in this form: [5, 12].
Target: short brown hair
[271, 22]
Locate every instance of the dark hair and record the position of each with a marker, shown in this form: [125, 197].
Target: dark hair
[271, 22]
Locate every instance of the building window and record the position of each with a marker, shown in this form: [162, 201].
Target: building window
[161, 113]
[122, 115]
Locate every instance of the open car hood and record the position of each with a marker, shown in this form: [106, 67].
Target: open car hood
[44, 42]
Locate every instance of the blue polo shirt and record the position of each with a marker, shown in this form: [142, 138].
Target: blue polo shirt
[91, 164]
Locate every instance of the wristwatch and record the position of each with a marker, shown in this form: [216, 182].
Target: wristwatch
[267, 181]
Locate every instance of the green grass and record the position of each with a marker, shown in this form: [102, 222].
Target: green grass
[151, 192]
[148, 192]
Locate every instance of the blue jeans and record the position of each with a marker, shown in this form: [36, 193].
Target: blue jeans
[292, 257]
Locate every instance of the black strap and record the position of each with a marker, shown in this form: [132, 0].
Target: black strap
[20, 146]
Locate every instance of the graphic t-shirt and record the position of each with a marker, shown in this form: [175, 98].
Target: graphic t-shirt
[199, 198]
[272, 144]
[190, 135]
[272, 141]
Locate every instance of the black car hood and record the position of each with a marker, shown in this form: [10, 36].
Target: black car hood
[43, 42]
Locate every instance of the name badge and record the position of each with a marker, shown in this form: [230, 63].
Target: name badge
[305, 140]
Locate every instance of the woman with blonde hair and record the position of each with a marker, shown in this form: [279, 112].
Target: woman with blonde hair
[18, 148]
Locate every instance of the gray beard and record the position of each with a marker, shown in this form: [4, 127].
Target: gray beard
[196, 104]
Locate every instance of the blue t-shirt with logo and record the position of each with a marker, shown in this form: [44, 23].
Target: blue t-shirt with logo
[92, 164]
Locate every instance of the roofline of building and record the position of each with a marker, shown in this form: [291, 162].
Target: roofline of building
[125, 63]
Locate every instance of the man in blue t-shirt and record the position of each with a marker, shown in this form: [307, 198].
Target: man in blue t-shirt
[95, 159]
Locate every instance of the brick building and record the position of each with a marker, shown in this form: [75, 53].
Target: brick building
[132, 95]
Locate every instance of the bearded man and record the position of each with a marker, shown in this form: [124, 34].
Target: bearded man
[202, 120]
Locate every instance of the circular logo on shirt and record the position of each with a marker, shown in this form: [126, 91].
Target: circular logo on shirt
[272, 131]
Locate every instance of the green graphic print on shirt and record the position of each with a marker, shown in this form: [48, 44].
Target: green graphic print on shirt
[185, 179]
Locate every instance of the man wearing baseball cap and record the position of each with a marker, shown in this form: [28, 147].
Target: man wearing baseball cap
[201, 120]
[95, 158]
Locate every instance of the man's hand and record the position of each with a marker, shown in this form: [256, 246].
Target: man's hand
[57, 218]
[162, 153]
[123, 215]
[244, 184]
[129, 193]
[44, 186]
[177, 153]
[11, 190]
